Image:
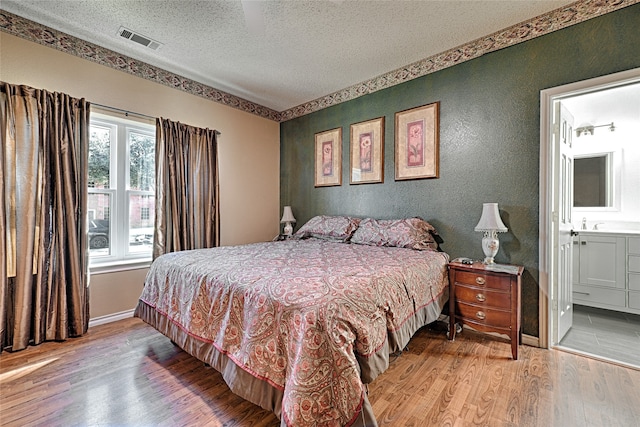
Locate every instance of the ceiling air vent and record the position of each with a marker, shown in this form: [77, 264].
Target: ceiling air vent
[139, 38]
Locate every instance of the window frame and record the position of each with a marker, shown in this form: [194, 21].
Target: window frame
[145, 213]
[120, 256]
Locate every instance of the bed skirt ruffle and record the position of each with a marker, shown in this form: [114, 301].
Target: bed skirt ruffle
[265, 395]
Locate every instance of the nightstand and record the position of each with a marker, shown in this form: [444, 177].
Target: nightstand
[486, 298]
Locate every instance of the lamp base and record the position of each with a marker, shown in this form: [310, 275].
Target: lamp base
[490, 245]
[288, 229]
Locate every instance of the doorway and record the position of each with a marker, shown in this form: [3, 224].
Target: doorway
[569, 120]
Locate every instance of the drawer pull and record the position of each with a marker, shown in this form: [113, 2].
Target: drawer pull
[581, 293]
[480, 280]
[481, 297]
[480, 315]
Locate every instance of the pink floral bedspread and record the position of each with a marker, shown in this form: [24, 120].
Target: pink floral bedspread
[294, 312]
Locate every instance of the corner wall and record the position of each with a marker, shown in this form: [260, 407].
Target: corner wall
[248, 147]
[489, 142]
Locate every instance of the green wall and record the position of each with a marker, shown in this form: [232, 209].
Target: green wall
[489, 142]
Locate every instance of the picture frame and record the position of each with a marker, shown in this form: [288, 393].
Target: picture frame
[328, 158]
[417, 142]
[367, 151]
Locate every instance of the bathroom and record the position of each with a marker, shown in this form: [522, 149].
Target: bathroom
[606, 224]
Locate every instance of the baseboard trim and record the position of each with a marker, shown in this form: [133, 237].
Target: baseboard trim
[101, 320]
[530, 340]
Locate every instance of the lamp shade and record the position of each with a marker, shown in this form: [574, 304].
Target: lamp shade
[490, 219]
[287, 215]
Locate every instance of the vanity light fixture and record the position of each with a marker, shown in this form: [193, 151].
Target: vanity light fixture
[588, 129]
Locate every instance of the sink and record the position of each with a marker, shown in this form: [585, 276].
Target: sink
[602, 226]
[609, 231]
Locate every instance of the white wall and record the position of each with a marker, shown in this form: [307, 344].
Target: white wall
[249, 147]
[625, 143]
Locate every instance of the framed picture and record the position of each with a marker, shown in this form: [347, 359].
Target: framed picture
[417, 142]
[328, 154]
[367, 151]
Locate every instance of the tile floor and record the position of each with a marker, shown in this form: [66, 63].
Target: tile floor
[604, 333]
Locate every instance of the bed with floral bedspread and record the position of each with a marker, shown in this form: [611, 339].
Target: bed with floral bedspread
[298, 326]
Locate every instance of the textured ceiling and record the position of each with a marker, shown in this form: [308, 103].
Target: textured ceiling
[281, 54]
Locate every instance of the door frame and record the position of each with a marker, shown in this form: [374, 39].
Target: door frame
[547, 292]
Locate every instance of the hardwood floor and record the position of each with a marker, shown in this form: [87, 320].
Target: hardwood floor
[127, 374]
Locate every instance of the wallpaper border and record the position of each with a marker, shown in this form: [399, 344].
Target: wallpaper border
[554, 20]
[38, 33]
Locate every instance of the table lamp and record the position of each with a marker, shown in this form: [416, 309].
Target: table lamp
[287, 219]
[491, 224]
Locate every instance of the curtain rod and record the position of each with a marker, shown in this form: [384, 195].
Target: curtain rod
[127, 113]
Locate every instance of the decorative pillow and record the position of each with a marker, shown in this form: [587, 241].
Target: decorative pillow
[338, 228]
[414, 233]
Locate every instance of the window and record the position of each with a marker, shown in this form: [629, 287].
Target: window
[121, 189]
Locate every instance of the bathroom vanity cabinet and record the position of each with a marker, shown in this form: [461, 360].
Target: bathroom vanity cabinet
[633, 275]
[606, 270]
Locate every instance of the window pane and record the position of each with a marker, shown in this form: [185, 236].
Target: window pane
[99, 156]
[142, 157]
[99, 226]
[121, 189]
[141, 219]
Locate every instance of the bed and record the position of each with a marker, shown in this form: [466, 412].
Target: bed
[300, 326]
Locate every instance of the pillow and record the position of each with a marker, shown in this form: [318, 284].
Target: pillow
[413, 233]
[337, 228]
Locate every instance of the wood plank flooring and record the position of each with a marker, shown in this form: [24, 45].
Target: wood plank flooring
[127, 374]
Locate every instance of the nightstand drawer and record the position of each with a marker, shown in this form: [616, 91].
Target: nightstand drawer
[486, 298]
[483, 297]
[483, 280]
[484, 315]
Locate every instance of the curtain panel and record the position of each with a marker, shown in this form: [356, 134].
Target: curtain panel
[187, 207]
[44, 292]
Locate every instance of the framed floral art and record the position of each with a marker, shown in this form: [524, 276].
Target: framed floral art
[328, 158]
[367, 151]
[417, 142]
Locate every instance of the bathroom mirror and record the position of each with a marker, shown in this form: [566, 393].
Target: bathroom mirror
[593, 181]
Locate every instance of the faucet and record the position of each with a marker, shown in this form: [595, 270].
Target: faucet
[595, 226]
[584, 223]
